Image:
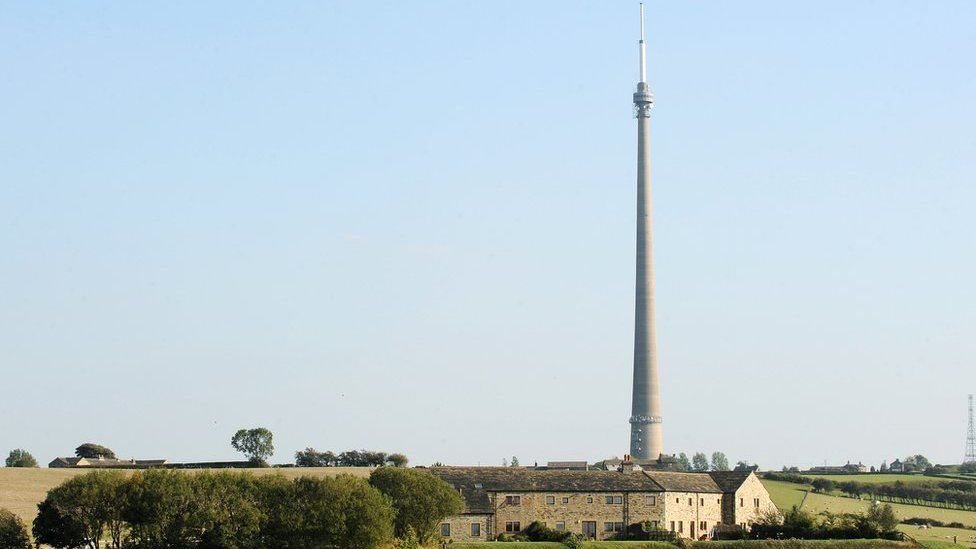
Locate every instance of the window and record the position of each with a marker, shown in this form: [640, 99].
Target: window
[672, 526]
[681, 526]
[515, 526]
[609, 500]
[742, 502]
[619, 500]
[560, 526]
[756, 502]
[613, 527]
[608, 527]
[565, 500]
[650, 500]
[589, 499]
[690, 500]
[718, 501]
[550, 500]
[475, 529]
[701, 502]
[445, 530]
[703, 525]
[677, 500]
[513, 500]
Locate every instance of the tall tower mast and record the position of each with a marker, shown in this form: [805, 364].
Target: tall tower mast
[646, 441]
[971, 437]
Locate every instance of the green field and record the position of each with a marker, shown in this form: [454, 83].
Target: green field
[22, 489]
[787, 494]
[755, 544]
[875, 478]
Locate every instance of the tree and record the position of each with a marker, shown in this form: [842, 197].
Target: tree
[310, 457]
[91, 450]
[917, 462]
[257, 444]
[699, 462]
[160, 508]
[968, 467]
[719, 462]
[515, 461]
[226, 511]
[397, 460]
[683, 463]
[21, 458]
[822, 485]
[883, 518]
[421, 501]
[13, 532]
[82, 511]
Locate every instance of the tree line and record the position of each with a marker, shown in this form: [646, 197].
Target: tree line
[158, 508]
[879, 522]
[948, 494]
[310, 457]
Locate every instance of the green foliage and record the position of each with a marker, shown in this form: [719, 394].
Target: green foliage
[683, 463]
[397, 460]
[159, 507]
[538, 531]
[257, 444]
[21, 458]
[81, 511]
[13, 532]
[167, 509]
[882, 517]
[420, 499]
[408, 541]
[310, 457]
[969, 467]
[878, 522]
[91, 450]
[699, 462]
[515, 462]
[822, 485]
[719, 462]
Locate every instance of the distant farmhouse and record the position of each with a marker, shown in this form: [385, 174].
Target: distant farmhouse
[105, 463]
[840, 469]
[599, 504]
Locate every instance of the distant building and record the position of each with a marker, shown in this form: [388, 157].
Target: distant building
[565, 466]
[105, 463]
[897, 466]
[840, 469]
[599, 504]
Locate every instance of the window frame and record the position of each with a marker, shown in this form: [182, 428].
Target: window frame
[476, 529]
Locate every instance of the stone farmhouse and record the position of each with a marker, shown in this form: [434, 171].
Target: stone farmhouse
[106, 463]
[599, 504]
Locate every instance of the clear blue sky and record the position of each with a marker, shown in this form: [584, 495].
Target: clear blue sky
[410, 226]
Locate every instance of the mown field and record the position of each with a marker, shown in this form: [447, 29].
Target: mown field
[758, 544]
[875, 478]
[22, 489]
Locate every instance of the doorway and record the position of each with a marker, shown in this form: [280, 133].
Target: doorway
[589, 529]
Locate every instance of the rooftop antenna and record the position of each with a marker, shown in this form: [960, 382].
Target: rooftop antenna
[643, 49]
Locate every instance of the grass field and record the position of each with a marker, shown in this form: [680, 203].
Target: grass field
[22, 489]
[755, 544]
[875, 478]
[787, 494]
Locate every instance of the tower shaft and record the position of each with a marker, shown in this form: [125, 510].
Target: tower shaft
[646, 441]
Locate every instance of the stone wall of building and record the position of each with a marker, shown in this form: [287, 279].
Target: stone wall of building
[691, 514]
[461, 528]
[751, 501]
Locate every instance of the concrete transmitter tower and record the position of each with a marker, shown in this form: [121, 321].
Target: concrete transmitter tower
[645, 421]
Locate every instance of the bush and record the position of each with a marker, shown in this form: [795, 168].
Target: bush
[20, 458]
[420, 499]
[538, 531]
[81, 511]
[13, 532]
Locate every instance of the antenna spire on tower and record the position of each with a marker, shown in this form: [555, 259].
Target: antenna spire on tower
[643, 52]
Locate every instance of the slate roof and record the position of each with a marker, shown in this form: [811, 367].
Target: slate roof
[670, 481]
[729, 481]
[575, 465]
